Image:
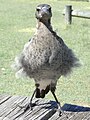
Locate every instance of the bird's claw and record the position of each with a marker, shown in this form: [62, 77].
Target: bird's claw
[60, 111]
[28, 106]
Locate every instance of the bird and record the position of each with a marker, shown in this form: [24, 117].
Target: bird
[45, 57]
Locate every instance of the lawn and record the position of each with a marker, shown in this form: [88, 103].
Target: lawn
[17, 26]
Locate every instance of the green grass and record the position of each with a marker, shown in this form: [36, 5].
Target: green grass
[17, 25]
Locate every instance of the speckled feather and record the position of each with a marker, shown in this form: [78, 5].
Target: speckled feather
[45, 53]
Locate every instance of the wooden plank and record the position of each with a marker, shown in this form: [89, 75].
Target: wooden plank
[15, 109]
[1, 118]
[46, 115]
[73, 112]
[83, 14]
[4, 98]
[3, 107]
[80, 13]
[41, 111]
[87, 117]
[68, 16]
[44, 110]
[37, 110]
[8, 106]
[80, 113]
[29, 112]
[67, 112]
[21, 114]
[78, 116]
[54, 116]
[19, 111]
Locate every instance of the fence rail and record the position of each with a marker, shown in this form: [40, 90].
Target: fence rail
[68, 12]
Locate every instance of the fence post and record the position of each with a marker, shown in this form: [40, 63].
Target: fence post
[68, 14]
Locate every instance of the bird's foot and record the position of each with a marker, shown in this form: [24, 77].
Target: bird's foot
[60, 111]
[28, 106]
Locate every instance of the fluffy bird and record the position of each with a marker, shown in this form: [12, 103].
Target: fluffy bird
[46, 57]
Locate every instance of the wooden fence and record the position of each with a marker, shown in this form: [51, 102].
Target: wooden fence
[68, 12]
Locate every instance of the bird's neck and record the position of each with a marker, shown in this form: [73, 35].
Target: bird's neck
[44, 23]
[44, 27]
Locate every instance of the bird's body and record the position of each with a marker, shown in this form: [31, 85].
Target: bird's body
[45, 57]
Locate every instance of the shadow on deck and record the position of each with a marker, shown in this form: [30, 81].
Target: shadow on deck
[75, 108]
[44, 110]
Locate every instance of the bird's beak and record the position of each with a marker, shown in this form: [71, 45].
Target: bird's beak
[44, 12]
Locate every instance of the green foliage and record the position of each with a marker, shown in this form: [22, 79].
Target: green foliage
[17, 25]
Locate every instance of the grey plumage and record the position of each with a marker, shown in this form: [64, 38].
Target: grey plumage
[45, 57]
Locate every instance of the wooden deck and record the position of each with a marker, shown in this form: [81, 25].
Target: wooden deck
[45, 110]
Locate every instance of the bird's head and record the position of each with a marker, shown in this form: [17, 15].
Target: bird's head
[43, 12]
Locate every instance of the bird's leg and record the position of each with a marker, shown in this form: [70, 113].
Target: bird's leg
[58, 103]
[61, 112]
[30, 105]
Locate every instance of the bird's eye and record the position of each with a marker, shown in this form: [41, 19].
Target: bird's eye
[49, 9]
[38, 9]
